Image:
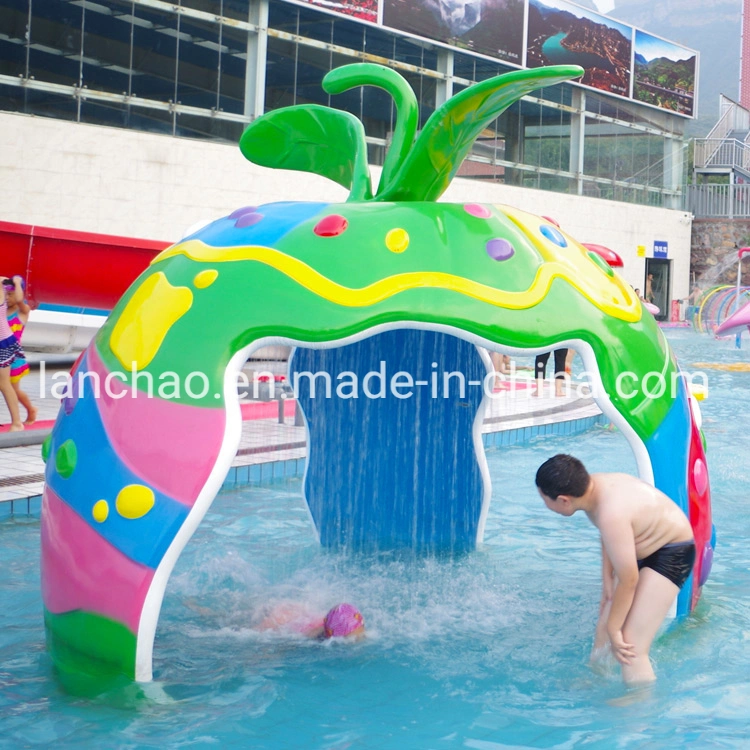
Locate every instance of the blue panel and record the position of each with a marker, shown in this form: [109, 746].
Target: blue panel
[99, 475]
[277, 219]
[387, 473]
[669, 448]
[69, 309]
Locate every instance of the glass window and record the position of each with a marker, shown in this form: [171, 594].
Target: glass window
[199, 63]
[347, 34]
[12, 98]
[232, 62]
[213, 128]
[281, 72]
[13, 37]
[283, 17]
[154, 53]
[44, 104]
[112, 114]
[408, 51]
[378, 112]
[312, 64]
[237, 9]
[55, 42]
[377, 42]
[464, 66]
[207, 6]
[105, 62]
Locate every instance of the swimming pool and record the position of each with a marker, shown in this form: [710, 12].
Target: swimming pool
[486, 651]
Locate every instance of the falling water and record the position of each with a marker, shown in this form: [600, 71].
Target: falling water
[711, 275]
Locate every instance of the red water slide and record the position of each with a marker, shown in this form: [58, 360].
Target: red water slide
[76, 269]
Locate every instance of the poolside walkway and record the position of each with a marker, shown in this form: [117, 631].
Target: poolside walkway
[268, 448]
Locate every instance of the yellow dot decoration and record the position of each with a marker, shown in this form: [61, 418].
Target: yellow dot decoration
[100, 511]
[397, 240]
[134, 501]
[205, 278]
[144, 323]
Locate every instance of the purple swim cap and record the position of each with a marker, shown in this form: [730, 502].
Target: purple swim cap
[342, 620]
[11, 284]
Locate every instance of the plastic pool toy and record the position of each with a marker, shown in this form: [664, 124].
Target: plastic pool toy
[387, 288]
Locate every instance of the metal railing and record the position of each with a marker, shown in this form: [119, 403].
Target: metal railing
[717, 201]
[716, 152]
[733, 117]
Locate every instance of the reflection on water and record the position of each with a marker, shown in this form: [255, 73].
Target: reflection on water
[486, 650]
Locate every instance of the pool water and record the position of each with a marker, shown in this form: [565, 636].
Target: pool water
[485, 651]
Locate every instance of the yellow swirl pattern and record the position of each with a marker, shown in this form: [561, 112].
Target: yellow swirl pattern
[380, 290]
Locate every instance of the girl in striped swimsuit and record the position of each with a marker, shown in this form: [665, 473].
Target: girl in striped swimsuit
[18, 316]
[9, 349]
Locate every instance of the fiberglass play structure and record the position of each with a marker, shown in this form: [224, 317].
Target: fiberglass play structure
[391, 282]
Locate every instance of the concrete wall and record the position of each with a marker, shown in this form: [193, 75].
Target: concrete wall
[113, 181]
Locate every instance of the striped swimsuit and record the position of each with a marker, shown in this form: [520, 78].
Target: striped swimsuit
[9, 345]
[19, 367]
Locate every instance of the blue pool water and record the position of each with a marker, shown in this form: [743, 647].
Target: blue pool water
[487, 651]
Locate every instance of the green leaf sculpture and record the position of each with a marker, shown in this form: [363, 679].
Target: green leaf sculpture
[312, 138]
[331, 143]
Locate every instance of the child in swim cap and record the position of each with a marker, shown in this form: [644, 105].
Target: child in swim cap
[343, 621]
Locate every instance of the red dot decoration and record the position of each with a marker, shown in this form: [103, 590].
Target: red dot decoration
[700, 476]
[474, 209]
[331, 226]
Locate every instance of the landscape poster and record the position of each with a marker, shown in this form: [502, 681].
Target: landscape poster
[560, 33]
[490, 27]
[664, 74]
[366, 10]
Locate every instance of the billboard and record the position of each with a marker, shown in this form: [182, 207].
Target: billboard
[664, 74]
[365, 10]
[560, 33]
[616, 58]
[490, 27]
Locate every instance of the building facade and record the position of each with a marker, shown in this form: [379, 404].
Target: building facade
[203, 69]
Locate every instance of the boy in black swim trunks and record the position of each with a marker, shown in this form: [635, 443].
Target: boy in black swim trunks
[648, 552]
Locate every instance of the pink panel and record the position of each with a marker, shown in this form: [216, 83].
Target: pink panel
[81, 570]
[171, 446]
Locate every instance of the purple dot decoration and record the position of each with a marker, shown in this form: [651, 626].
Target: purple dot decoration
[71, 398]
[248, 220]
[708, 558]
[500, 249]
[241, 211]
[553, 235]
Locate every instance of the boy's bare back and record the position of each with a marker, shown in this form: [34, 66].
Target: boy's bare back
[623, 501]
[648, 553]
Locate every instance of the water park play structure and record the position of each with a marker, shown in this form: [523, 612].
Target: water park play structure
[390, 287]
[723, 309]
[717, 305]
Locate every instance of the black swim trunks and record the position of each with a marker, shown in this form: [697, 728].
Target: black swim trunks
[673, 561]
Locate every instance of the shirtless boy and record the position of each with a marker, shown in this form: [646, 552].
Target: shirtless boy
[647, 554]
